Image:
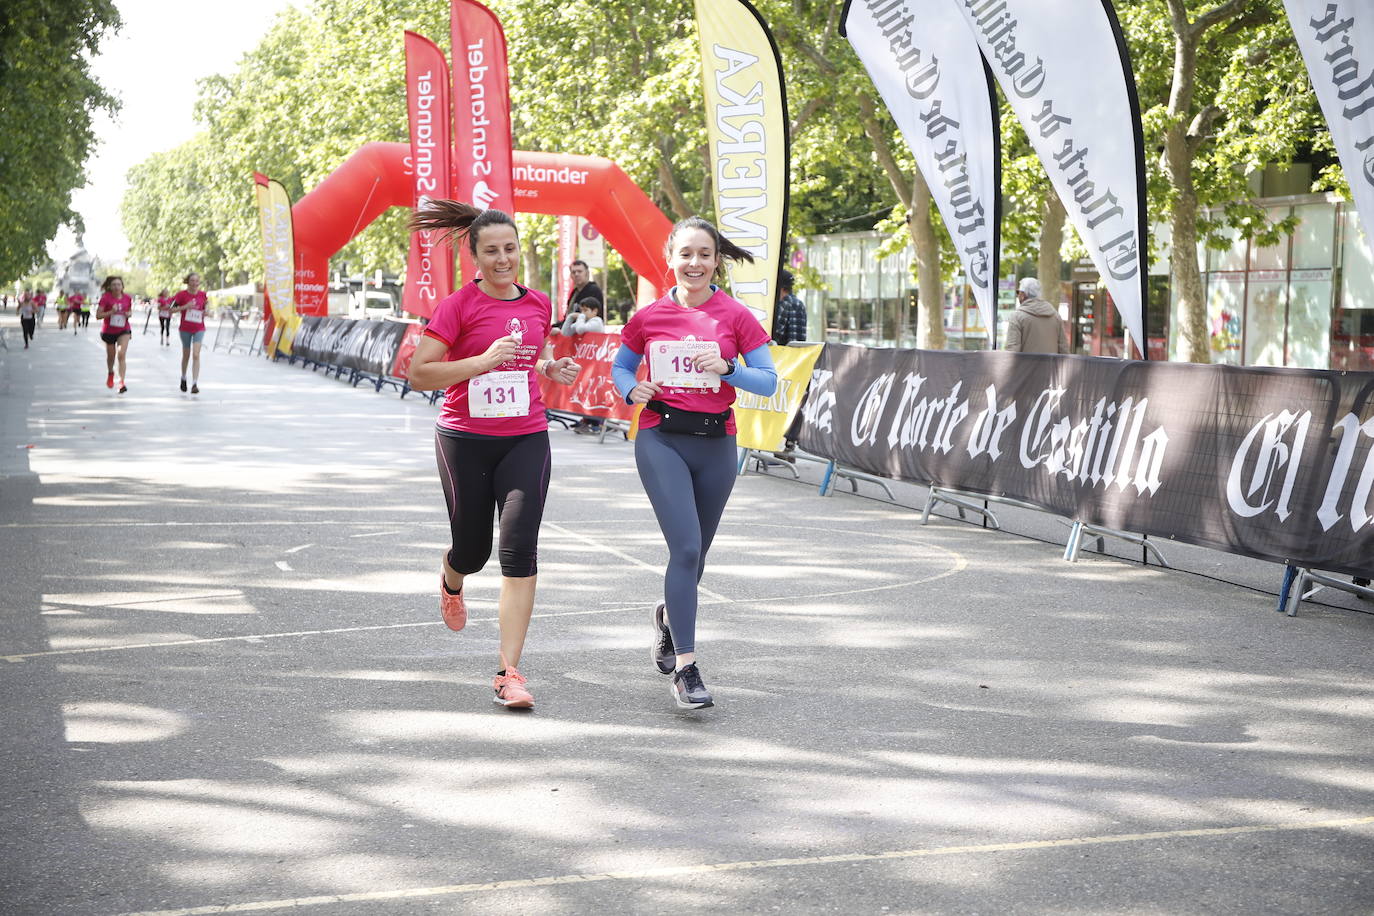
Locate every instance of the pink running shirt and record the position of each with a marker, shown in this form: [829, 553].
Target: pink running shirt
[117, 322]
[468, 322]
[720, 318]
[193, 319]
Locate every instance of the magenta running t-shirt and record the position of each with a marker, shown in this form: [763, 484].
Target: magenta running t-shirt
[117, 322]
[721, 318]
[193, 319]
[505, 401]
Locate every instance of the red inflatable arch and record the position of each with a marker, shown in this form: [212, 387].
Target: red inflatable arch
[378, 176]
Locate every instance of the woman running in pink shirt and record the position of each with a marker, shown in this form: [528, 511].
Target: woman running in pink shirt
[115, 308]
[701, 345]
[164, 318]
[190, 304]
[486, 344]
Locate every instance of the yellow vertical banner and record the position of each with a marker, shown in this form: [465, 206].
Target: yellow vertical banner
[761, 423]
[746, 122]
[278, 260]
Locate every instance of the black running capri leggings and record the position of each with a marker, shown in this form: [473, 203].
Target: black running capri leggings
[485, 475]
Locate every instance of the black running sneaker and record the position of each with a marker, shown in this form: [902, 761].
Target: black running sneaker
[689, 691]
[662, 651]
[183, 384]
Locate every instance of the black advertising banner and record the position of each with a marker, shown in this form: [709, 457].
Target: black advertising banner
[1270, 463]
[365, 346]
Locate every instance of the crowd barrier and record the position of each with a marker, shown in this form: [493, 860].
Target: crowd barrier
[1276, 464]
[376, 352]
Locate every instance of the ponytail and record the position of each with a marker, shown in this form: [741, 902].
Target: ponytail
[727, 249]
[455, 221]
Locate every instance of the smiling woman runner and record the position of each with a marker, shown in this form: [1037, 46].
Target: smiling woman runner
[685, 450]
[115, 308]
[190, 303]
[485, 344]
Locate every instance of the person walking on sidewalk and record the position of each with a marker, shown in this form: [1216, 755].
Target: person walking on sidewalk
[116, 308]
[28, 318]
[190, 304]
[1035, 326]
[701, 345]
[486, 345]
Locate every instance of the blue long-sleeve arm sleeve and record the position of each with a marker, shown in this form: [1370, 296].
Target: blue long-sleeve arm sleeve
[623, 369]
[759, 376]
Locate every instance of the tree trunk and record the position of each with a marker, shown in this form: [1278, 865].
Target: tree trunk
[533, 270]
[1049, 265]
[1185, 275]
[930, 321]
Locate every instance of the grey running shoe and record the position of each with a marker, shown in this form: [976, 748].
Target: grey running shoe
[689, 691]
[662, 651]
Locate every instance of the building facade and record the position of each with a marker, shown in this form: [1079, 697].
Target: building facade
[1306, 301]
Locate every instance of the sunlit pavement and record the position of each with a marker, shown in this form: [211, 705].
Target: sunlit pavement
[226, 688]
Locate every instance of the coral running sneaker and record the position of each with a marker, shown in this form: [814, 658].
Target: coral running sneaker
[511, 691]
[109, 380]
[452, 606]
[689, 691]
[662, 650]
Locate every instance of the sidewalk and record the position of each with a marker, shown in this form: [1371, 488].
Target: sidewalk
[226, 684]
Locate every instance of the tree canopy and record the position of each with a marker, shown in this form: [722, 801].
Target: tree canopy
[601, 77]
[49, 99]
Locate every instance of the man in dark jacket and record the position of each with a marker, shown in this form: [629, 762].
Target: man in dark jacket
[584, 287]
[789, 315]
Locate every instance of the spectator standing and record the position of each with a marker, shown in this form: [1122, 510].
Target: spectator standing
[584, 287]
[789, 317]
[1035, 326]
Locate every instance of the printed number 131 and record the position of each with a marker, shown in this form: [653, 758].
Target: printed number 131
[502, 395]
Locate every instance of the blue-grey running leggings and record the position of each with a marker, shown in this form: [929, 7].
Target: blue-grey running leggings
[688, 479]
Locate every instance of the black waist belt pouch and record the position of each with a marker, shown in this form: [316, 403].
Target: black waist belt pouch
[689, 422]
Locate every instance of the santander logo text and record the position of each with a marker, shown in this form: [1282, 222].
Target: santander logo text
[479, 73]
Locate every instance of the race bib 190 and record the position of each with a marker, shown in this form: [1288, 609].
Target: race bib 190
[118, 320]
[672, 363]
[499, 394]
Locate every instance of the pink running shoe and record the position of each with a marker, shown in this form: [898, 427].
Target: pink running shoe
[452, 606]
[510, 690]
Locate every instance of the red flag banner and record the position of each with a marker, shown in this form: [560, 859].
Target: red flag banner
[481, 112]
[410, 339]
[429, 269]
[594, 393]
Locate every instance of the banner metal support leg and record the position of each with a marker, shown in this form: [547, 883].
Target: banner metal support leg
[961, 502]
[1305, 576]
[1080, 530]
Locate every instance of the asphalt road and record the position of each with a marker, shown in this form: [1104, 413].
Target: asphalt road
[226, 688]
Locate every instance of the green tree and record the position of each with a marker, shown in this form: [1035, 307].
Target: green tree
[49, 99]
[1224, 94]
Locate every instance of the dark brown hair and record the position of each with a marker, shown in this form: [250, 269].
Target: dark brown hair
[455, 220]
[724, 247]
[105, 287]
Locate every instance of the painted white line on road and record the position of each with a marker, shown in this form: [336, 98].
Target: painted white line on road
[687, 870]
[375, 534]
[298, 549]
[634, 561]
[251, 636]
[283, 566]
